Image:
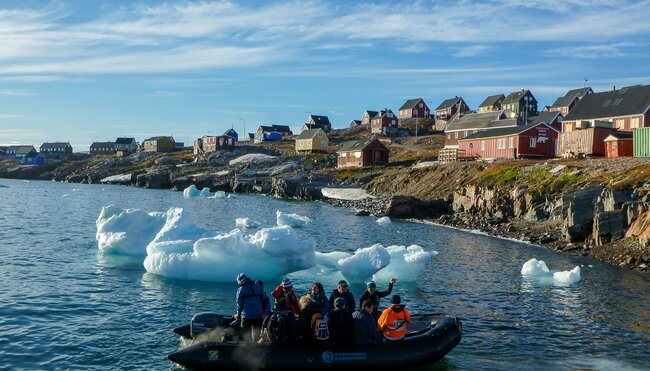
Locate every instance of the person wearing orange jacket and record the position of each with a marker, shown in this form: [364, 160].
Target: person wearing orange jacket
[285, 290]
[395, 320]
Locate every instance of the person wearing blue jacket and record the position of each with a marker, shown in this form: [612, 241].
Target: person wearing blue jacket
[250, 303]
[365, 330]
[266, 307]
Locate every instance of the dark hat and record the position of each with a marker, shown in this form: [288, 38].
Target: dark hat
[339, 303]
[343, 282]
[371, 285]
[286, 283]
[259, 282]
[242, 279]
[396, 299]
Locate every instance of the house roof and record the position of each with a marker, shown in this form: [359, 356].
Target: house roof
[322, 120]
[103, 144]
[564, 101]
[383, 113]
[356, 145]
[23, 149]
[500, 132]
[580, 92]
[281, 128]
[314, 126]
[409, 104]
[515, 96]
[618, 135]
[544, 117]
[309, 133]
[492, 100]
[630, 100]
[124, 140]
[229, 131]
[267, 129]
[448, 103]
[478, 120]
[355, 122]
[372, 114]
[159, 138]
[55, 145]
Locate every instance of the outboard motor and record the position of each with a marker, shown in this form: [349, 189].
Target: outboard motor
[203, 322]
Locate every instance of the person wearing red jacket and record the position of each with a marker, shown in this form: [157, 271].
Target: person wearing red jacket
[285, 290]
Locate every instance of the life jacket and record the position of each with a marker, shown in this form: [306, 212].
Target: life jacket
[277, 328]
[320, 327]
[394, 322]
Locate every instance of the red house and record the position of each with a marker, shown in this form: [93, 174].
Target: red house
[461, 125]
[566, 103]
[414, 109]
[360, 153]
[449, 107]
[384, 123]
[619, 144]
[531, 140]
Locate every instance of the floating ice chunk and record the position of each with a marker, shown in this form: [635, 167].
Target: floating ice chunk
[567, 277]
[534, 267]
[205, 192]
[219, 194]
[246, 223]
[538, 270]
[191, 192]
[268, 254]
[406, 263]
[292, 220]
[231, 196]
[251, 158]
[126, 232]
[331, 259]
[384, 220]
[364, 263]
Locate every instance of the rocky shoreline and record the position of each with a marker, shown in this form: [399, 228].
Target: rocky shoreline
[611, 226]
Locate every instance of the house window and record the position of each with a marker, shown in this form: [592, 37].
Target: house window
[634, 123]
[357, 154]
[448, 136]
[620, 124]
[533, 142]
[482, 145]
[511, 142]
[421, 105]
[501, 143]
[455, 135]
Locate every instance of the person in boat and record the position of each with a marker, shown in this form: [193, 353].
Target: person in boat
[365, 330]
[395, 320]
[312, 324]
[266, 306]
[317, 294]
[250, 301]
[344, 293]
[285, 290]
[340, 323]
[373, 295]
[280, 326]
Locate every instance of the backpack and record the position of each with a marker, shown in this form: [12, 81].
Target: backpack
[277, 328]
[320, 327]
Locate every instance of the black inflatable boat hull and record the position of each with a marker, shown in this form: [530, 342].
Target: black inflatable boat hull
[427, 345]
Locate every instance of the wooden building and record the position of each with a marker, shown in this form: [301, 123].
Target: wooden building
[360, 153]
[355, 123]
[384, 123]
[367, 117]
[312, 140]
[56, 149]
[589, 141]
[619, 144]
[34, 158]
[125, 146]
[213, 143]
[232, 133]
[449, 107]
[569, 100]
[521, 103]
[553, 119]
[535, 140]
[102, 148]
[625, 109]
[414, 109]
[284, 130]
[159, 144]
[317, 122]
[492, 103]
[462, 126]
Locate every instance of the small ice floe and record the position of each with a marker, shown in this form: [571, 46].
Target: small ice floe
[537, 269]
[231, 196]
[193, 192]
[292, 220]
[384, 220]
[219, 194]
[246, 223]
[66, 195]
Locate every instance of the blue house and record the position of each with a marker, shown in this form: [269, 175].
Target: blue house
[34, 158]
[20, 152]
[232, 133]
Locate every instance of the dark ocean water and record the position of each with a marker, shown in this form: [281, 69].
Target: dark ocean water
[62, 306]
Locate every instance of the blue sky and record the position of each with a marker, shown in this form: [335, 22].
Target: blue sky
[90, 70]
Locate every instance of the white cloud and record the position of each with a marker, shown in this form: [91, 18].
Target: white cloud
[471, 50]
[617, 50]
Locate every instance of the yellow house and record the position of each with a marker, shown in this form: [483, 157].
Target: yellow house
[159, 144]
[312, 140]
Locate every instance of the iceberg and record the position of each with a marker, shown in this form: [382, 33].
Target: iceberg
[126, 232]
[384, 221]
[331, 259]
[406, 263]
[365, 262]
[191, 192]
[537, 269]
[292, 220]
[246, 223]
[219, 194]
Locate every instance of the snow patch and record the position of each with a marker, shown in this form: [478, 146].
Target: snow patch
[117, 179]
[292, 220]
[350, 194]
[251, 158]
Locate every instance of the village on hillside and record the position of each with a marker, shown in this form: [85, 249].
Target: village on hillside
[614, 123]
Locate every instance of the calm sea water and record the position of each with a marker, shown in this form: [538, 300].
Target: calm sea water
[62, 306]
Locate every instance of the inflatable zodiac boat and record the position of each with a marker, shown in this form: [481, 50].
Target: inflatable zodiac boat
[429, 338]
